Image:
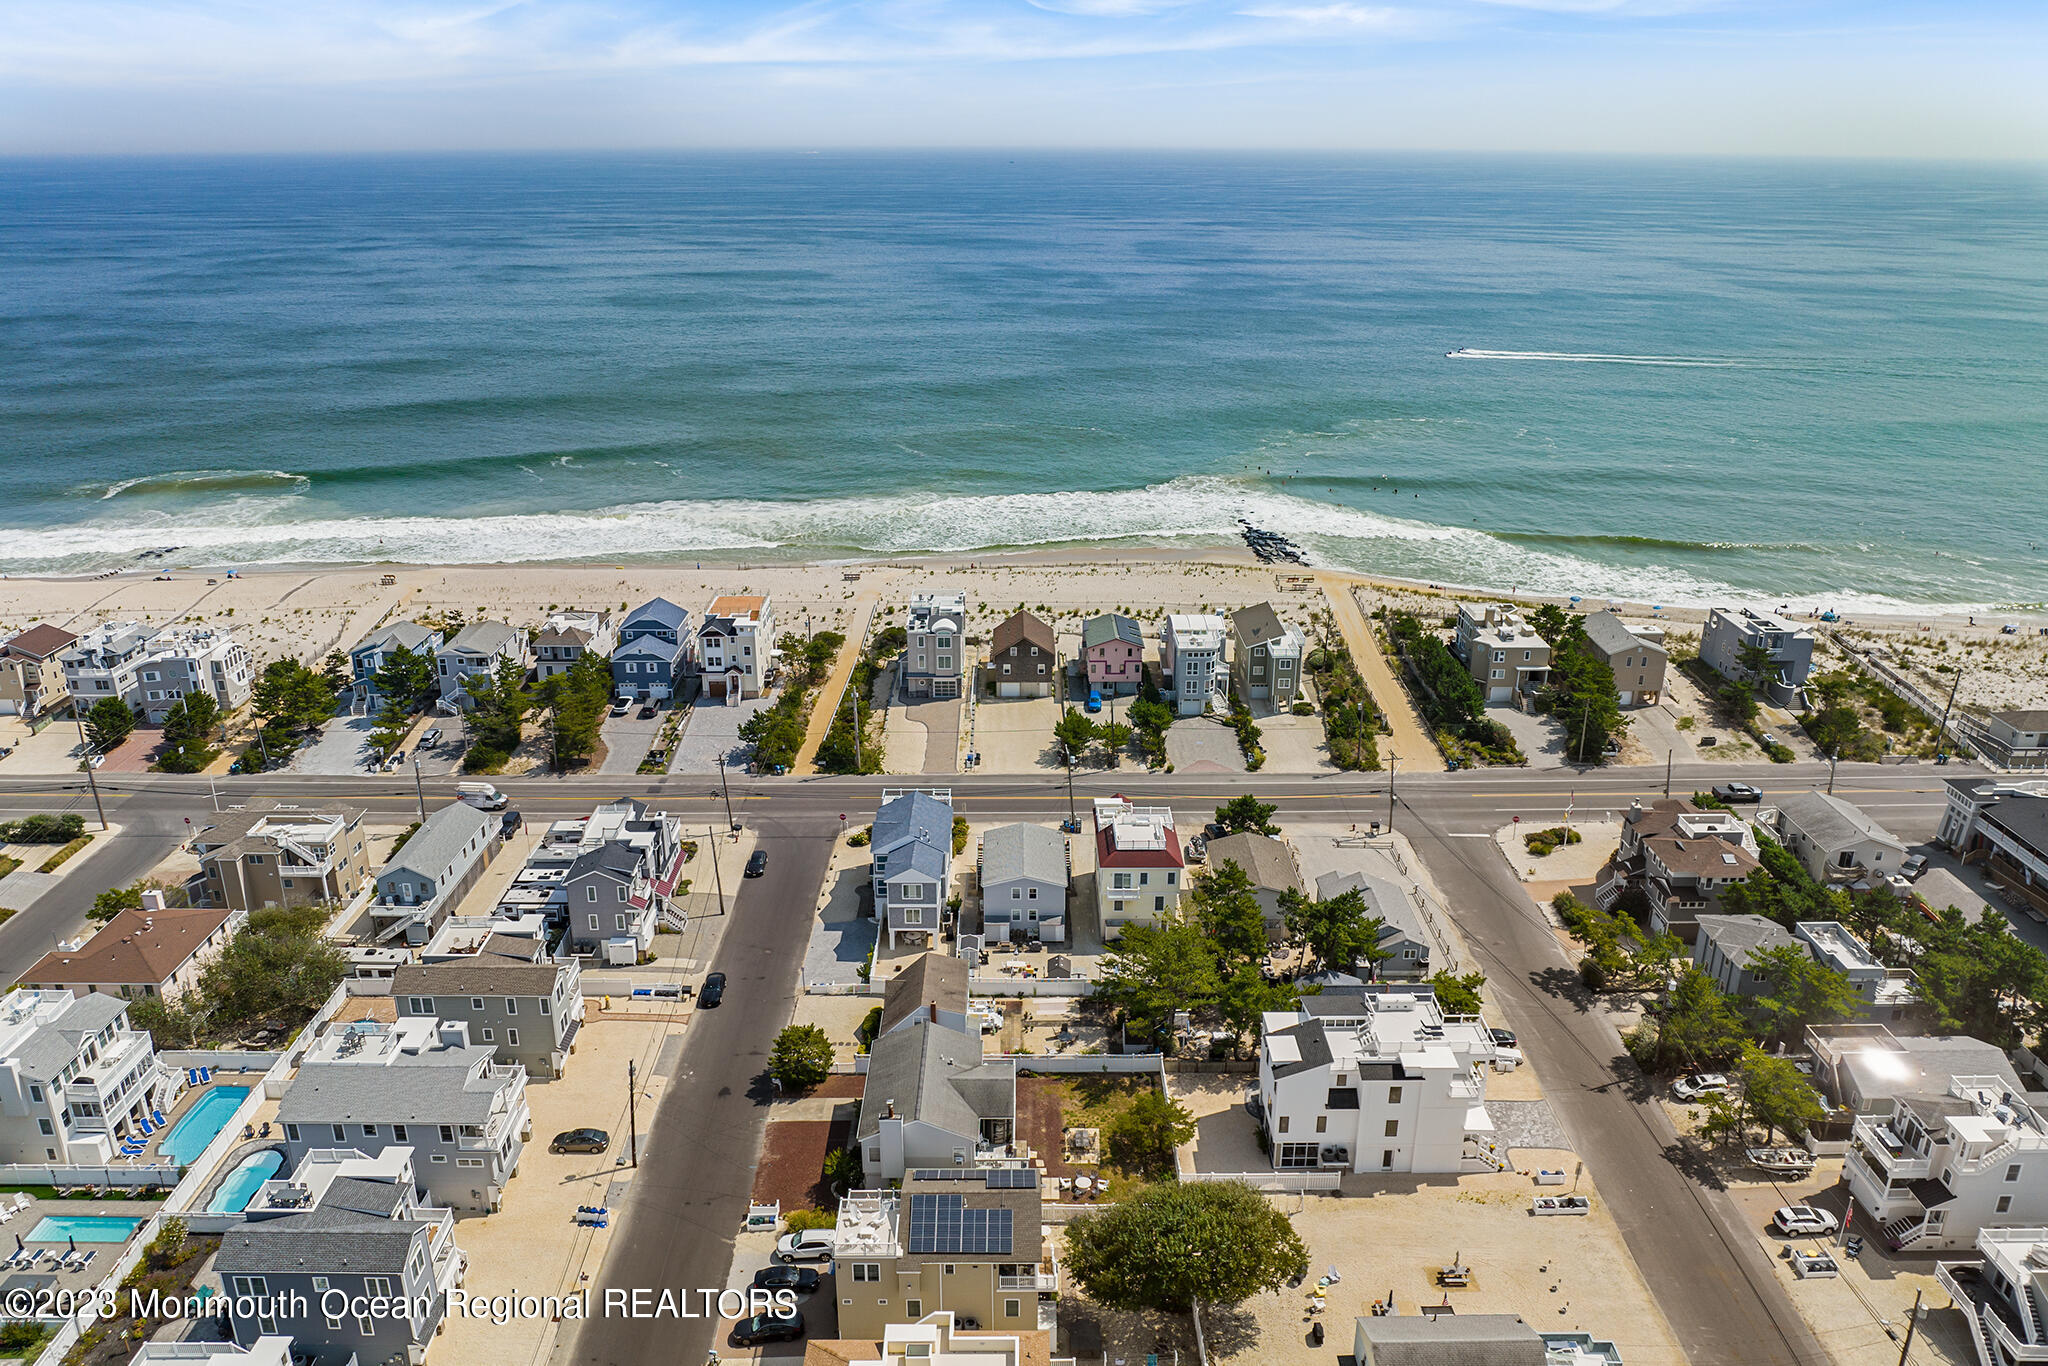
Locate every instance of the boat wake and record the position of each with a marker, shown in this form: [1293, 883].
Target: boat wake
[1595, 358]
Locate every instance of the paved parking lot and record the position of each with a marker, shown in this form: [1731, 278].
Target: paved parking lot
[628, 738]
[1541, 738]
[444, 756]
[1203, 744]
[1015, 735]
[342, 748]
[711, 729]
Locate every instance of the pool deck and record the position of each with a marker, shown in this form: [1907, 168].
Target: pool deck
[44, 1272]
[153, 1154]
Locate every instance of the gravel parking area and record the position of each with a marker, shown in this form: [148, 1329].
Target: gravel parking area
[1015, 735]
[1526, 1124]
[1294, 744]
[628, 738]
[1542, 738]
[711, 729]
[343, 747]
[1200, 744]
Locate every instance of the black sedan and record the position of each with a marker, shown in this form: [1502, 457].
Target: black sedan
[802, 1279]
[713, 991]
[758, 864]
[768, 1328]
[580, 1141]
[1504, 1037]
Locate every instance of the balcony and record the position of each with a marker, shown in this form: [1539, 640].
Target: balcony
[1890, 1159]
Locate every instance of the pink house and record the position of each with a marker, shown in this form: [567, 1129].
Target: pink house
[1115, 650]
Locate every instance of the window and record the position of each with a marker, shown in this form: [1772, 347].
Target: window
[487, 1036]
[248, 1287]
[1144, 879]
[35, 1091]
[2012, 1173]
[419, 1005]
[913, 916]
[512, 1038]
[338, 1134]
[511, 1005]
[1010, 1309]
[1386, 1159]
[1034, 894]
[1393, 1095]
[291, 1133]
[1322, 1124]
[622, 893]
[867, 1271]
[1158, 903]
[476, 1003]
[1499, 673]
[593, 922]
[914, 1308]
[447, 1133]
[590, 894]
[2004, 1203]
[1017, 893]
[544, 1005]
[398, 1132]
[469, 1162]
[442, 1158]
[369, 1131]
[1393, 1128]
[1283, 1124]
[47, 1130]
[1120, 882]
[1299, 1154]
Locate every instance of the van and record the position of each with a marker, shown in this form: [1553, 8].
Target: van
[480, 795]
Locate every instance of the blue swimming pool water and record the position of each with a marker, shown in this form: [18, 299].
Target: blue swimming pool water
[84, 1228]
[189, 1137]
[243, 1183]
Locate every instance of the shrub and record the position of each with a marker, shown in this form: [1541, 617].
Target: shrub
[1303, 709]
[58, 859]
[861, 838]
[1780, 753]
[800, 1220]
[843, 1168]
[959, 835]
[43, 828]
[802, 1057]
[1591, 974]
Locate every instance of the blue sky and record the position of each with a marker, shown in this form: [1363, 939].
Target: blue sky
[1806, 77]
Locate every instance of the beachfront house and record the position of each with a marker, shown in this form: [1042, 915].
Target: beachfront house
[194, 659]
[367, 657]
[1635, 653]
[1023, 657]
[526, 1006]
[736, 646]
[1193, 662]
[2002, 827]
[1113, 651]
[1788, 651]
[1266, 656]
[968, 1243]
[420, 885]
[417, 1083]
[76, 1079]
[273, 854]
[1404, 943]
[930, 1100]
[1376, 1079]
[568, 635]
[2010, 739]
[482, 647]
[348, 1224]
[1139, 866]
[105, 662]
[31, 670]
[156, 951]
[934, 661]
[1678, 858]
[1024, 873]
[1270, 867]
[1834, 839]
[654, 651]
[1723, 945]
[912, 847]
[1504, 655]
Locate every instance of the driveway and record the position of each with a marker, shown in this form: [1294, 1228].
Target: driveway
[342, 748]
[1542, 738]
[941, 722]
[712, 729]
[444, 756]
[1201, 744]
[627, 739]
[1014, 735]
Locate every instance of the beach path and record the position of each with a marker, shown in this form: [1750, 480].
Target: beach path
[1410, 739]
[835, 684]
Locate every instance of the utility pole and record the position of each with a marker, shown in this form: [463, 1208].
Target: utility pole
[1832, 756]
[1113, 762]
[1585, 717]
[1393, 771]
[728, 794]
[1912, 1322]
[632, 1111]
[1941, 732]
[1071, 814]
[93, 783]
[421, 789]
[214, 793]
[717, 877]
[1669, 754]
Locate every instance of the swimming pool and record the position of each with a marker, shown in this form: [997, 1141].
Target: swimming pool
[83, 1228]
[240, 1188]
[189, 1136]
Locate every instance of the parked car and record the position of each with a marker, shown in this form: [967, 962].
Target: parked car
[1736, 794]
[1094, 699]
[801, 1279]
[1198, 850]
[580, 1141]
[1213, 831]
[431, 738]
[758, 864]
[768, 1328]
[1804, 1221]
[1699, 1084]
[1504, 1037]
[620, 705]
[1914, 866]
[647, 712]
[510, 822]
[811, 1245]
[713, 991]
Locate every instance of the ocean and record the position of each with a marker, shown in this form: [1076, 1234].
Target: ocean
[1681, 382]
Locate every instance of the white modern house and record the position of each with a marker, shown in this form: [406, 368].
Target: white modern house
[1024, 874]
[105, 662]
[1789, 646]
[478, 648]
[76, 1079]
[935, 653]
[569, 635]
[1140, 871]
[1193, 658]
[151, 670]
[1888, 994]
[1835, 840]
[736, 646]
[2001, 826]
[1377, 1079]
[2004, 1294]
[912, 845]
[1940, 1168]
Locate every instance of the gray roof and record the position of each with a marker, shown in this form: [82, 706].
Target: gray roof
[410, 634]
[52, 1048]
[1738, 936]
[2023, 720]
[1958, 1055]
[483, 975]
[1258, 624]
[1941, 889]
[1310, 1041]
[321, 1241]
[1450, 1340]
[921, 859]
[1107, 626]
[482, 638]
[431, 1088]
[1024, 851]
[1382, 898]
[439, 841]
[1266, 861]
[649, 647]
[914, 815]
[1833, 823]
[935, 1075]
[614, 857]
[937, 979]
[378, 1199]
[1606, 631]
[658, 612]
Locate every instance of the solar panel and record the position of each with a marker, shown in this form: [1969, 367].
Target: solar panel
[1012, 1179]
[941, 1224]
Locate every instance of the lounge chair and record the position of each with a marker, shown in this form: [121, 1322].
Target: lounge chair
[157, 1116]
[264, 1132]
[191, 1076]
[21, 1201]
[86, 1260]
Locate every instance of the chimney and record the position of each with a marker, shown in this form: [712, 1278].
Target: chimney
[1635, 809]
[153, 900]
[453, 1034]
[890, 1111]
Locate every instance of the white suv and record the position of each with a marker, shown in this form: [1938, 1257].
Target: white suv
[812, 1245]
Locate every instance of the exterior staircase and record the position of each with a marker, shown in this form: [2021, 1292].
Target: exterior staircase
[1904, 1231]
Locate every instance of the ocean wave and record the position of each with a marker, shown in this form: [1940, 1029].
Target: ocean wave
[1194, 509]
[208, 483]
[1565, 538]
[1596, 358]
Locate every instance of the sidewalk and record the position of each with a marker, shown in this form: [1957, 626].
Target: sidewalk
[1410, 739]
[822, 708]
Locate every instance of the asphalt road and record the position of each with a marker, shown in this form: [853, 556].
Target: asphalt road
[1697, 1256]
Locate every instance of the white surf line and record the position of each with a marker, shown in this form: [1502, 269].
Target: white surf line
[1591, 358]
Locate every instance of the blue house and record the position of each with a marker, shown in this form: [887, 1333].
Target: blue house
[653, 652]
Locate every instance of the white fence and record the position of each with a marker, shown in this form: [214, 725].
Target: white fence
[976, 986]
[220, 1060]
[1067, 1064]
[26, 1174]
[1274, 1183]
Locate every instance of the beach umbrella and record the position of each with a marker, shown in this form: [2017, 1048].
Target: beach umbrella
[18, 1244]
[73, 1240]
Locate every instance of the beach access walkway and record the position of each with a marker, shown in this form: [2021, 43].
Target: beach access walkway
[1410, 739]
[822, 706]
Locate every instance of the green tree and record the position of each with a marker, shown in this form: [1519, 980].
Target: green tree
[188, 734]
[336, 672]
[575, 701]
[1247, 996]
[1247, 813]
[112, 902]
[1153, 970]
[1581, 695]
[1777, 1095]
[393, 721]
[1143, 1138]
[1698, 1026]
[289, 696]
[108, 723]
[1225, 906]
[1551, 621]
[1796, 990]
[407, 678]
[1458, 995]
[1335, 932]
[1753, 662]
[500, 702]
[1173, 1245]
[1075, 733]
[801, 1058]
